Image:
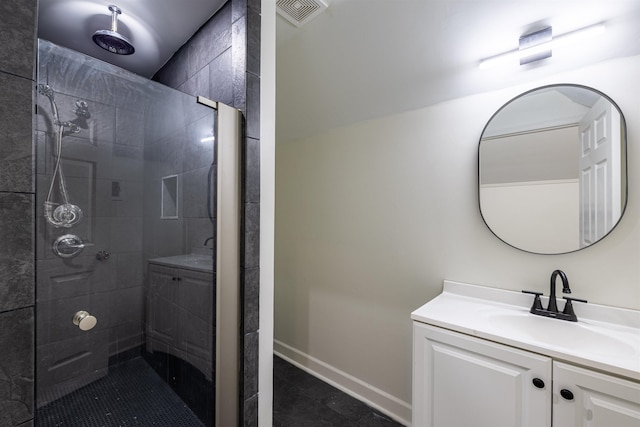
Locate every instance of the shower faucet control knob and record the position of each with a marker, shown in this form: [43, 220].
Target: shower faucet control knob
[103, 256]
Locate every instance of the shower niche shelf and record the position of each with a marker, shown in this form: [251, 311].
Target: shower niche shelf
[169, 199]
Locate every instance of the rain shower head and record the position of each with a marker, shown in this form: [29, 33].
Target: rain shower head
[111, 40]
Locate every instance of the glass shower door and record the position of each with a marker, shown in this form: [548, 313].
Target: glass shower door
[125, 300]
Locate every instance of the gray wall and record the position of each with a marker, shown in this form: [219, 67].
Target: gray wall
[222, 62]
[17, 37]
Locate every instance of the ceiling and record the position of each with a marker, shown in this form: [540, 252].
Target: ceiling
[363, 59]
[157, 28]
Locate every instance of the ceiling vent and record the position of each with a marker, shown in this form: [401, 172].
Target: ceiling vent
[299, 12]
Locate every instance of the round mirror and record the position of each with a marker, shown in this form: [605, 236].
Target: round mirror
[552, 169]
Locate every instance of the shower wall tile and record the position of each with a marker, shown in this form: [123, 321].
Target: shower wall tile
[195, 189]
[211, 40]
[151, 202]
[198, 84]
[251, 181]
[251, 302]
[250, 379]
[128, 266]
[16, 150]
[166, 155]
[239, 9]
[16, 251]
[174, 72]
[125, 336]
[125, 235]
[128, 202]
[129, 127]
[250, 416]
[253, 41]
[255, 5]
[127, 163]
[133, 92]
[75, 362]
[221, 78]
[167, 237]
[239, 61]
[251, 242]
[74, 277]
[198, 154]
[253, 106]
[16, 366]
[126, 304]
[17, 37]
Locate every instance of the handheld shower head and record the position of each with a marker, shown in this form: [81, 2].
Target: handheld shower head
[111, 40]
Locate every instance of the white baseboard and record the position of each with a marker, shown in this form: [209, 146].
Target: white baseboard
[389, 405]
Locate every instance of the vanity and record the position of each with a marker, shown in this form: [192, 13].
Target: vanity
[481, 359]
[180, 310]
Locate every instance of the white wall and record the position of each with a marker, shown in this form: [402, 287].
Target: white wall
[267, 209]
[372, 217]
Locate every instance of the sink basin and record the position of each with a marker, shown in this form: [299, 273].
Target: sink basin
[605, 338]
[580, 336]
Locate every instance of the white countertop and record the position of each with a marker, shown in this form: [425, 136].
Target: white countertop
[195, 262]
[605, 338]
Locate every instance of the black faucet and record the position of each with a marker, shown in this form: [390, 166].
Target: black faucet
[207, 240]
[552, 308]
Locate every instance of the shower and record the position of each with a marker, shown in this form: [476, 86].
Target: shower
[111, 40]
[64, 215]
[138, 326]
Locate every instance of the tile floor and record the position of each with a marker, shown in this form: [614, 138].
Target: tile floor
[131, 395]
[302, 400]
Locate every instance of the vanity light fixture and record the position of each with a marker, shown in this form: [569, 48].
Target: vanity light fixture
[538, 45]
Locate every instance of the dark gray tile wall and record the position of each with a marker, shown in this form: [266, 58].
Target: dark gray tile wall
[222, 63]
[17, 280]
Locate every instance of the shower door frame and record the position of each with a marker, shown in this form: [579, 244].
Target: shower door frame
[228, 231]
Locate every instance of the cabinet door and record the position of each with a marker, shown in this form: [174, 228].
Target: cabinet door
[462, 381]
[195, 324]
[596, 400]
[162, 318]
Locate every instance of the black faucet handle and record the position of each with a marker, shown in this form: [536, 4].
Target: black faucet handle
[569, 299]
[568, 308]
[537, 304]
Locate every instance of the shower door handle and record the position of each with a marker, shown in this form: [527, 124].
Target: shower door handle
[83, 320]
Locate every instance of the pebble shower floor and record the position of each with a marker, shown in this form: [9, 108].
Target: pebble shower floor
[132, 394]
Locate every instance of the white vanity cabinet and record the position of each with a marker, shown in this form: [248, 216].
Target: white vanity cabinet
[583, 397]
[480, 359]
[180, 320]
[464, 381]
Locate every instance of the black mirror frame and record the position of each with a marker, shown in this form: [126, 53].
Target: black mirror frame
[623, 154]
